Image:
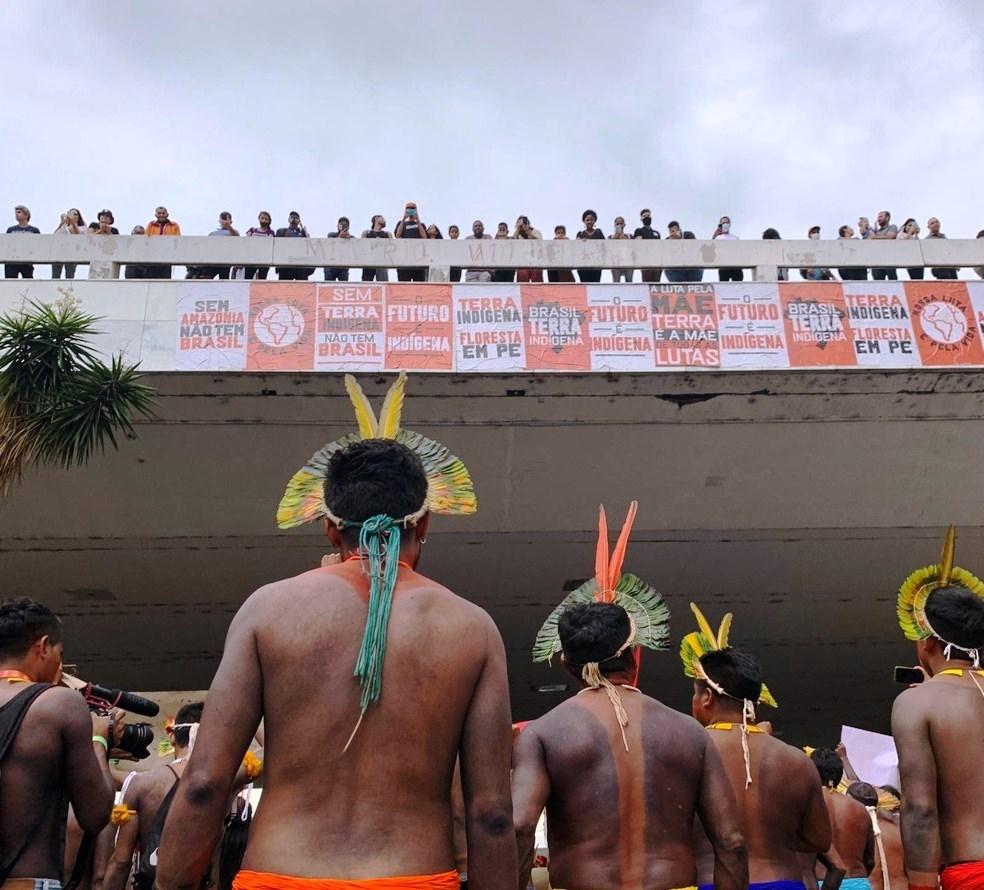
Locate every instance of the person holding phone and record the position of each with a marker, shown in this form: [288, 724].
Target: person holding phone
[524, 230]
[723, 233]
[377, 229]
[343, 231]
[71, 223]
[411, 226]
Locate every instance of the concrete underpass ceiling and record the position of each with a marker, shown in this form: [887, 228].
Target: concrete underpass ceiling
[798, 500]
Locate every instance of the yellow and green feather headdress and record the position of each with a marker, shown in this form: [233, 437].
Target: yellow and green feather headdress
[648, 612]
[696, 645]
[449, 486]
[917, 588]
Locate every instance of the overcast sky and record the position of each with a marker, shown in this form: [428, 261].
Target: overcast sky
[777, 113]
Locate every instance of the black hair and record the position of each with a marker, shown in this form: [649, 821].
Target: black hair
[737, 672]
[437, 229]
[108, 213]
[93, 227]
[957, 615]
[374, 476]
[891, 789]
[672, 223]
[980, 234]
[690, 236]
[863, 793]
[829, 765]
[813, 229]
[22, 623]
[595, 632]
[81, 221]
[225, 214]
[189, 713]
[842, 230]
[771, 234]
[586, 213]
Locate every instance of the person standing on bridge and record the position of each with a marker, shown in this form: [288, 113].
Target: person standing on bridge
[938, 725]
[22, 226]
[295, 229]
[589, 233]
[646, 232]
[723, 233]
[411, 226]
[161, 224]
[377, 229]
[429, 683]
[779, 798]
[621, 775]
[885, 231]
[933, 225]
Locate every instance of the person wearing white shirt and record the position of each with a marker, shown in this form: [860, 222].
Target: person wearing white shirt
[723, 233]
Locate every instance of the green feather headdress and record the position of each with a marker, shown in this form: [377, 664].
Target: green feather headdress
[449, 485]
[641, 601]
[449, 490]
[916, 590]
[696, 645]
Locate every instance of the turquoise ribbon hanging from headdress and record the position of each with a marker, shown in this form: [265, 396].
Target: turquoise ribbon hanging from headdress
[379, 544]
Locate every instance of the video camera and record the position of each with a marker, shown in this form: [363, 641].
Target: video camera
[136, 738]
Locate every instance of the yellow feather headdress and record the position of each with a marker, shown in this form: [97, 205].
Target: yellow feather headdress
[449, 485]
[916, 590]
[696, 645]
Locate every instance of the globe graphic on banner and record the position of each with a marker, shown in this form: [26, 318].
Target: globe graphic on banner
[944, 323]
[278, 325]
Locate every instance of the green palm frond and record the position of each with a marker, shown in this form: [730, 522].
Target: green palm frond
[58, 402]
[97, 403]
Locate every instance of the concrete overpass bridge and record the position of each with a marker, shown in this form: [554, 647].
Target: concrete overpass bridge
[797, 497]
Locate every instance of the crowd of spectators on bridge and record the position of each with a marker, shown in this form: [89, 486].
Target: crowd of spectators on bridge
[412, 226]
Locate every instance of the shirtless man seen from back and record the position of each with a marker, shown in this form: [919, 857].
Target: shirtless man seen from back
[853, 843]
[780, 803]
[620, 810]
[381, 808]
[938, 726]
[53, 759]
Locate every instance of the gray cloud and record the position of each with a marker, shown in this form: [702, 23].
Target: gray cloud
[775, 113]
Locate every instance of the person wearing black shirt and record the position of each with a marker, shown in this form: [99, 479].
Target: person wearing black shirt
[23, 217]
[411, 226]
[647, 233]
[295, 229]
[377, 229]
[589, 233]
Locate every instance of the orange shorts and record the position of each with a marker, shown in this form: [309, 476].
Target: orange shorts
[257, 880]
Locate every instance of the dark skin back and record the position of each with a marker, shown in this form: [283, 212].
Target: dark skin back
[782, 812]
[891, 834]
[853, 842]
[51, 763]
[144, 794]
[622, 819]
[384, 806]
[937, 727]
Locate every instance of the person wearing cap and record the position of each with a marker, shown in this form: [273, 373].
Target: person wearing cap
[780, 802]
[294, 229]
[622, 777]
[938, 725]
[411, 226]
[22, 227]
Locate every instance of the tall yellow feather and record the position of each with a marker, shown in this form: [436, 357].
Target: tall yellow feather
[703, 624]
[722, 637]
[947, 556]
[389, 414]
[364, 414]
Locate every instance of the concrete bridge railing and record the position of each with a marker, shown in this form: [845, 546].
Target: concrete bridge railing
[764, 258]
